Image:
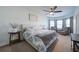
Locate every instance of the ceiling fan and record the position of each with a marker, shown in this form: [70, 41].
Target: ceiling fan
[52, 10]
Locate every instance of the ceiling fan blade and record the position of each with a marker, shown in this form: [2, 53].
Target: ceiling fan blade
[46, 10]
[57, 11]
[54, 7]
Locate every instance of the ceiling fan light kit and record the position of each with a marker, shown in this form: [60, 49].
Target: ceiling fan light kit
[51, 13]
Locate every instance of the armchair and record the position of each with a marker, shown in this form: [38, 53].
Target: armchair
[65, 31]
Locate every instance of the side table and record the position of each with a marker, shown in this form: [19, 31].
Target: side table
[16, 40]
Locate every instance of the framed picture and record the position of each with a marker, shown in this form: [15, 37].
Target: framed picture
[33, 17]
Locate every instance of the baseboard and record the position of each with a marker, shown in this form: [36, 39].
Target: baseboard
[2, 44]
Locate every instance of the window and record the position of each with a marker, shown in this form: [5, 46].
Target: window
[52, 24]
[68, 23]
[59, 24]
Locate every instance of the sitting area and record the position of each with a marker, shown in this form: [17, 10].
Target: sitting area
[64, 31]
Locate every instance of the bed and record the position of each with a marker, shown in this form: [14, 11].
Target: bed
[40, 39]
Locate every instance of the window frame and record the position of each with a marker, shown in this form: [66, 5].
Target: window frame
[67, 25]
[53, 23]
[57, 24]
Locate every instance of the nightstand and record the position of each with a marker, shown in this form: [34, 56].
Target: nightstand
[14, 33]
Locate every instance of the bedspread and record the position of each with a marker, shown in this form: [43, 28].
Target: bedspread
[40, 40]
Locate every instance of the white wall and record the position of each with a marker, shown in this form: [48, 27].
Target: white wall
[74, 25]
[76, 21]
[16, 15]
[77, 24]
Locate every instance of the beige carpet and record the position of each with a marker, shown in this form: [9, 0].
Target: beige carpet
[63, 45]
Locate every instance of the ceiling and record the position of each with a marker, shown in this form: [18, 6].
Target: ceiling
[66, 10]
